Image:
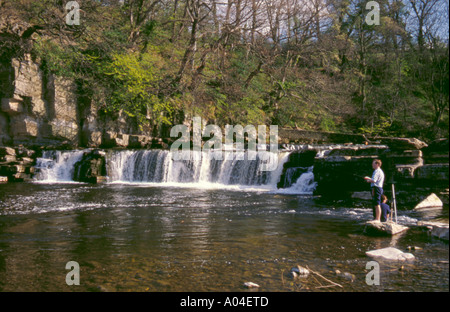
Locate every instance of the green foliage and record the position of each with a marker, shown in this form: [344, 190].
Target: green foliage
[381, 127]
[134, 87]
[144, 59]
[327, 124]
[60, 60]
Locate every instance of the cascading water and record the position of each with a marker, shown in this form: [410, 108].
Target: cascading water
[304, 185]
[57, 166]
[158, 166]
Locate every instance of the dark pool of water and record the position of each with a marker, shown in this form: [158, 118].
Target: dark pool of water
[157, 238]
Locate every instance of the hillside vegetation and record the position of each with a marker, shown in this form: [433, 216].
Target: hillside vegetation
[306, 64]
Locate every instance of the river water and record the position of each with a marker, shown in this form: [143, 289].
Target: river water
[154, 236]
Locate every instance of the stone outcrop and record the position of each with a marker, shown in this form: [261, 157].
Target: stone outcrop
[437, 152]
[39, 108]
[91, 168]
[36, 108]
[16, 164]
[298, 163]
[400, 144]
[339, 172]
[318, 137]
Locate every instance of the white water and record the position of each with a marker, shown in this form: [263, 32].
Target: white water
[157, 167]
[304, 185]
[57, 166]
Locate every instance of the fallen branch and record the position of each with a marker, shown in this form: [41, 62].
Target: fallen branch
[333, 284]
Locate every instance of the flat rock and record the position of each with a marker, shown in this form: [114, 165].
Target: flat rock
[432, 201]
[389, 227]
[402, 143]
[390, 253]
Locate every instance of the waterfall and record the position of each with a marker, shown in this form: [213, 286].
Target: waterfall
[304, 185]
[57, 166]
[158, 166]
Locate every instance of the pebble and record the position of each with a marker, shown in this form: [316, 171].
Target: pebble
[349, 276]
[299, 271]
[251, 285]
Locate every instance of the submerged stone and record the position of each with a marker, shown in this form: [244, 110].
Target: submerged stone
[436, 229]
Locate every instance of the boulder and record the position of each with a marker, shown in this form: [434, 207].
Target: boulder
[21, 177]
[8, 158]
[432, 201]
[5, 150]
[91, 168]
[390, 253]
[388, 228]
[109, 139]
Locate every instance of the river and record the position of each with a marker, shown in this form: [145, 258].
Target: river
[171, 236]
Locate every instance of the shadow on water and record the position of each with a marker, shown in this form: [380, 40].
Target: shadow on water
[155, 238]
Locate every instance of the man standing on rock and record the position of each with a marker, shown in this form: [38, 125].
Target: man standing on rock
[376, 183]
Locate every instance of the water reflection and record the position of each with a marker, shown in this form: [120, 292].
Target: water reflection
[137, 238]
